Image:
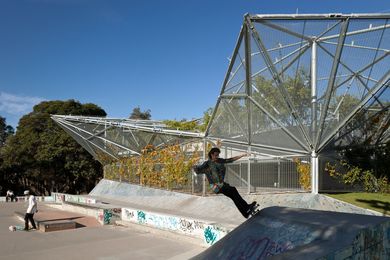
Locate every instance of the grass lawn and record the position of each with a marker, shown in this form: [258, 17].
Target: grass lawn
[374, 201]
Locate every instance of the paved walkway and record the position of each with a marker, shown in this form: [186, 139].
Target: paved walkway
[89, 242]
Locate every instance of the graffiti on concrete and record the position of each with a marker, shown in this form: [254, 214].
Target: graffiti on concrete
[280, 237]
[141, 217]
[370, 243]
[190, 225]
[107, 216]
[209, 233]
[257, 248]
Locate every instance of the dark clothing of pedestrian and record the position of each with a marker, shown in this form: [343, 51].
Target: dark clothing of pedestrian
[29, 217]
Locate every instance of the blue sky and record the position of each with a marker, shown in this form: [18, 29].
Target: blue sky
[169, 56]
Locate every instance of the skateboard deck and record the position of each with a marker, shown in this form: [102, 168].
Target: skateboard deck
[16, 228]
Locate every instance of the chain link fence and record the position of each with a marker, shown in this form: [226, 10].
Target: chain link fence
[273, 175]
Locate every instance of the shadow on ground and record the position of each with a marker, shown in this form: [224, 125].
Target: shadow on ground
[384, 207]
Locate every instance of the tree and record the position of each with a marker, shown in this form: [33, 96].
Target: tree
[183, 124]
[42, 157]
[5, 131]
[137, 114]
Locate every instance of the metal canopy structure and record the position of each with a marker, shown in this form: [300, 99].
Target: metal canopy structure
[120, 137]
[295, 84]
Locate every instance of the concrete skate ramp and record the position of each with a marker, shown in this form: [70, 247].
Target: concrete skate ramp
[292, 233]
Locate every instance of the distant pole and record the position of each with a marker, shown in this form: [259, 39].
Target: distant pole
[314, 155]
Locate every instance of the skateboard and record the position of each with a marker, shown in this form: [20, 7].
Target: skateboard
[16, 228]
[255, 209]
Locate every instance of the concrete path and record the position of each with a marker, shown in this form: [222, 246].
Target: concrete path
[91, 242]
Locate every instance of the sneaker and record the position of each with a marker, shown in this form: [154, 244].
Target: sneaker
[252, 206]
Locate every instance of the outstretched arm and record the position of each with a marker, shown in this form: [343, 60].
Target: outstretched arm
[235, 158]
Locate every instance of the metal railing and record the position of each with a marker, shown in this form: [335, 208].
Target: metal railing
[264, 175]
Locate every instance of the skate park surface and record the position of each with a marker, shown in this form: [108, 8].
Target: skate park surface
[89, 242]
[290, 225]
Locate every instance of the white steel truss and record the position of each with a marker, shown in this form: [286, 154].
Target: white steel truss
[294, 84]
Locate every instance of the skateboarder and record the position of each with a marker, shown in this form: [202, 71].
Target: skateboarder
[215, 169]
[31, 210]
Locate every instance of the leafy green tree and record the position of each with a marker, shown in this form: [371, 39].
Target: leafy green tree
[271, 98]
[42, 157]
[183, 124]
[5, 131]
[138, 114]
[191, 125]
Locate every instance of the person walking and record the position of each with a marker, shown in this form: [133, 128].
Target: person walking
[31, 210]
[214, 169]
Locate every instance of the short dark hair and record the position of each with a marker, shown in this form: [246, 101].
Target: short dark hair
[214, 150]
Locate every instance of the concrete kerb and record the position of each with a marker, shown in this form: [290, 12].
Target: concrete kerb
[105, 214]
[206, 231]
[23, 198]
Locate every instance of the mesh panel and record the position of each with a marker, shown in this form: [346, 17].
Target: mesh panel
[236, 81]
[265, 131]
[231, 120]
[361, 65]
[370, 125]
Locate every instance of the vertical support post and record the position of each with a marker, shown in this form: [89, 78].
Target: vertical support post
[192, 182]
[204, 175]
[278, 185]
[314, 172]
[240, 171]
[249, 170]
[314, 122]
[248, 79]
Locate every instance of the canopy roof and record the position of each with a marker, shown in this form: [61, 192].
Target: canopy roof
[294, 84]
[297, 82]
[120, 137]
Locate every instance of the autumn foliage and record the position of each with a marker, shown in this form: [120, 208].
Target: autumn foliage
[168, 168]
[303, 170]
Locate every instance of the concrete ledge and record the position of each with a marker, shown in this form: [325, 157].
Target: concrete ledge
[162, 233]
[105, 214]
[23, 198]
[49, 226]
[63, 197]
[208, 232]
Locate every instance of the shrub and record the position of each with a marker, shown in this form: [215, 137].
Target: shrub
[303, 170]
[358, 178]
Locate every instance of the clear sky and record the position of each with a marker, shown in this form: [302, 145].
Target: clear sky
[169, 56]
